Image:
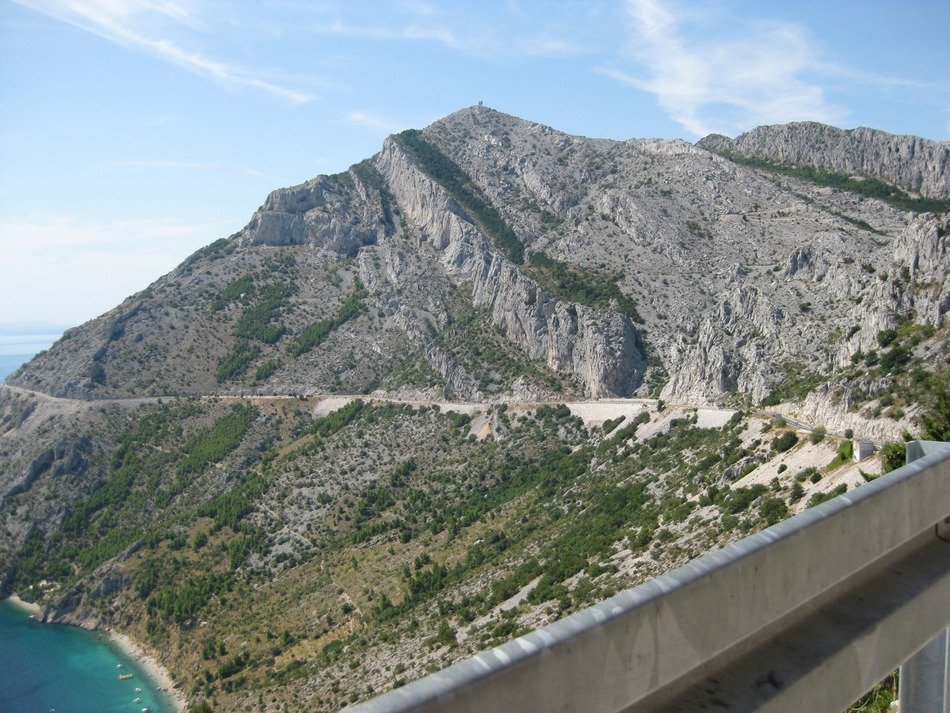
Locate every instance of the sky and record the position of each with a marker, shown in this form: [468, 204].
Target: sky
[132, 132]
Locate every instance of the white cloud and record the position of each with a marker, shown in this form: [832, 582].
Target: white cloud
[724, 85]
[117, 21]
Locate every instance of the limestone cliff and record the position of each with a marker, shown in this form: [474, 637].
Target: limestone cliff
[911, 162]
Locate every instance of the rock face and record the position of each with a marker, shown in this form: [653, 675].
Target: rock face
[600, 348]
[910, 162]
[649, 268]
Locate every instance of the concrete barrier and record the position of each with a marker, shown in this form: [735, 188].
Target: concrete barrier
[806, 615]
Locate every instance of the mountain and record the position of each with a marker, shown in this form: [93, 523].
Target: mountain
[588, 267]
[479, 380]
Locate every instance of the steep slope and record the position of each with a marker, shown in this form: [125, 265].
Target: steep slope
[913, 163]
[487, 255]
[270, 557]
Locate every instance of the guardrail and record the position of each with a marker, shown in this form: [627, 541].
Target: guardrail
[806, 615]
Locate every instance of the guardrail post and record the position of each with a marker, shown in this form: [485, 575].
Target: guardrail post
[925, 675]
[923, 681]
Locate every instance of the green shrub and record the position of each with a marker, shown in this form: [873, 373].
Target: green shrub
[243, 286]
[886, 336]
[773, 510]
[738, 500]
[784, 441]
[266, 370]
[817, 435]
[587, 287]
[844, 455]
[797, 384]
[256, 322]
[819, 498]
[611, 424]
[893, 456]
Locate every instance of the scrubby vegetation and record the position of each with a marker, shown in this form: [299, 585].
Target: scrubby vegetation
[477, 344]
[796, 385]
[314, 335]
[898, 377]
[587, 287]
[461, 187]
[264, 546]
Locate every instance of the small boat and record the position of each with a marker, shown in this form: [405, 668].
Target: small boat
[137, 700]
[146, 710]
[138, 690]
[125, 676]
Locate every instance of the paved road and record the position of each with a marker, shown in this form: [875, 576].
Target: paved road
[808, 427]
[469, 406]
[582, 405]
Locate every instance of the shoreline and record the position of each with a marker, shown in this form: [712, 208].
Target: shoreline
[153, 668]
[31, 607]
[129, 647]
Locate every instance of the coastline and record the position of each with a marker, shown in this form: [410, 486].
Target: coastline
[31, 607]
[129, 647]
[152, 667]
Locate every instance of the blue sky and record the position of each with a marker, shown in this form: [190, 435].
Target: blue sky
[134, 131]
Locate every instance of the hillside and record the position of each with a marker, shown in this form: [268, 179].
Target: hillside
[483, 378]
[489, 257]
[269, 556]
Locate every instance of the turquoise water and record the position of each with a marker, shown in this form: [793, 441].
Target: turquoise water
[45, 667]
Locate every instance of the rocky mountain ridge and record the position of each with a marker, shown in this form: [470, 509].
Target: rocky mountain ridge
[911, 162]
[638, 267]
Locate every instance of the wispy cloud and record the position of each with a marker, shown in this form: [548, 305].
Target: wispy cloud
[454, 28]
[371, 121]
[881, 80]
[552, 46]
[724, 85]
[414, 32]
[118, 20]
[158, 164]
[56, 234]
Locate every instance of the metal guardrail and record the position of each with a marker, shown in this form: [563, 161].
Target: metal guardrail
[807, 615]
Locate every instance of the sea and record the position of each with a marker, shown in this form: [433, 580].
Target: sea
[21, 341]
[50, 667]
